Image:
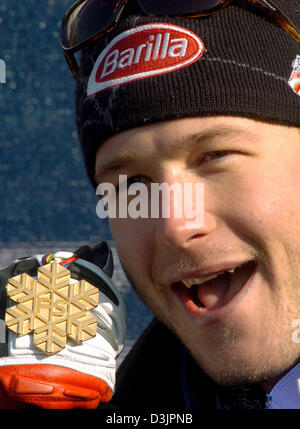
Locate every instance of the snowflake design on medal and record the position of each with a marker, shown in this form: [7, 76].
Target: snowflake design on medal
[52, 308]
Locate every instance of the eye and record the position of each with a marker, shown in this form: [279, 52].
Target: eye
[132, 180]
[212, 156]
[136, 179]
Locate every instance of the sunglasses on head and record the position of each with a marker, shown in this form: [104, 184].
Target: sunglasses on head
[88, 20]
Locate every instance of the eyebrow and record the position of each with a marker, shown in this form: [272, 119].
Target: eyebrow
[176, 147]
[205, 137]
[115, 164]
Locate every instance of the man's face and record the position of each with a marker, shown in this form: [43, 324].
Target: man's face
[238, 325]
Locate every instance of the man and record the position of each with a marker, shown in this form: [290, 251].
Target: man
[211, 100]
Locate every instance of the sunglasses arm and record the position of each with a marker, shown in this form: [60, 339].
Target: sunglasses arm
[72, 63]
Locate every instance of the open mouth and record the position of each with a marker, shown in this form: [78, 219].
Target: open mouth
[216, 290]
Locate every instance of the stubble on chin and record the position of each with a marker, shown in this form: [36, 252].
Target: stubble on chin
[230, 361]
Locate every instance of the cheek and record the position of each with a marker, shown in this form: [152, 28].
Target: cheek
[265, 204]
[132, 238]
[134, 244]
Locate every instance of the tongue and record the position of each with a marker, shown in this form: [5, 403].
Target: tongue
[220, 290]
[212, 292]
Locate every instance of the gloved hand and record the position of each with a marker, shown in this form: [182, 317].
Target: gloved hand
[65, 327]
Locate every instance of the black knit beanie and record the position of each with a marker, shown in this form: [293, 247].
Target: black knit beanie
[235, 62]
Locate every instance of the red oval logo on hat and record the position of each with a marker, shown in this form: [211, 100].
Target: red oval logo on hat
[142, 52]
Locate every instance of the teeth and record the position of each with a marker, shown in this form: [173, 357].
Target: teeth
[186, 283]
[190, 282]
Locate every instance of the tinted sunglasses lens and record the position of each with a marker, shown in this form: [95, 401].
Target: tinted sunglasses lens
[87, 19]
[178, 7]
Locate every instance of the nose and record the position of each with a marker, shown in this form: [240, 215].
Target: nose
[186, 218]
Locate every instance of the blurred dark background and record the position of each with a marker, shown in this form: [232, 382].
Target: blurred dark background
[47, 203]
